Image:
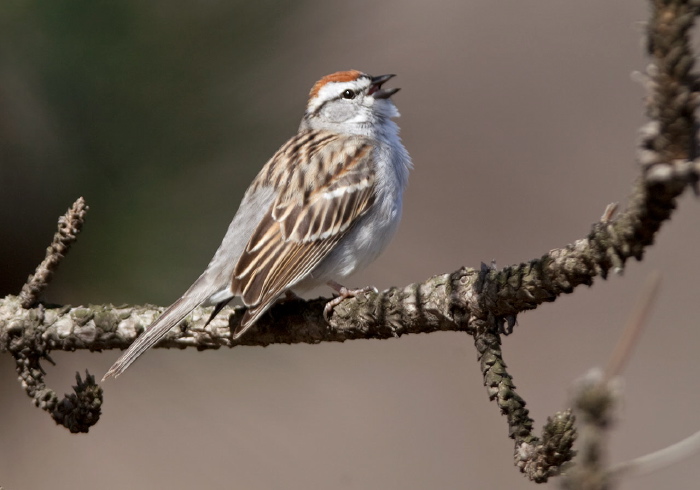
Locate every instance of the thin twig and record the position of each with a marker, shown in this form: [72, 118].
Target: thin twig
[69, 225]
[659, 459]
[609, 212]
[633, 329]
[596, 397]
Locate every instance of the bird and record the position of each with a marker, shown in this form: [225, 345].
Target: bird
[323, 207]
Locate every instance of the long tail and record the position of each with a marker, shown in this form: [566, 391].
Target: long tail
[173, 315]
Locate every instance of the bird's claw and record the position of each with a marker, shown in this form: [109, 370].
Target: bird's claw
[343, 294]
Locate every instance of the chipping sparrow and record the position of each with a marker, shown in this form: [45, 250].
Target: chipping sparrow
[324, 206]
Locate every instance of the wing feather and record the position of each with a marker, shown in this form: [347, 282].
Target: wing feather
[330, 186]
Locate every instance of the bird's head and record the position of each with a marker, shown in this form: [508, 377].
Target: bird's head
[350, 102]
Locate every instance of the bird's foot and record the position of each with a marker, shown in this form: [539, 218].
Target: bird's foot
[343, 294]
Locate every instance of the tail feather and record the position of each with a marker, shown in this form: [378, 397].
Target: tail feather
[250, 316]
[157, 330]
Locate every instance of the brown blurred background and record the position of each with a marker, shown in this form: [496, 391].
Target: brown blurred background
[521, 118]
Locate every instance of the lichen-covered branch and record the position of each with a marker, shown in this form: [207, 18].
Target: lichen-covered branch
[25, 340]
[668, 149]
[417, 308]
[538, 458]
[69, 225]
[78, 411]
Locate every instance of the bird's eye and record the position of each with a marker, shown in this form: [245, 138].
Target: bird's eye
[348, 94]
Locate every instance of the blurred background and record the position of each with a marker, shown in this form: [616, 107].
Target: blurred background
[521, 118]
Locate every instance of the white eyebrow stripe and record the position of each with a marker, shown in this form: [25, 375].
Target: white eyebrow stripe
[332, 90]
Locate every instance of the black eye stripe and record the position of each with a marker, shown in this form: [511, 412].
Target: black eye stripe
[323, 104]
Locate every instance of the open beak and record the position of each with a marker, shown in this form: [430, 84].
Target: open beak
[376, 90]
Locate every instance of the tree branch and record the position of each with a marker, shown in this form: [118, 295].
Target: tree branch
[69, 225]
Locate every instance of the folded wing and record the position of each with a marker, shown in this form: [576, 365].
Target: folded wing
[330, 185]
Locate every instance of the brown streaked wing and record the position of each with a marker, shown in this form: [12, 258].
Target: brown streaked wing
[310, 215]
